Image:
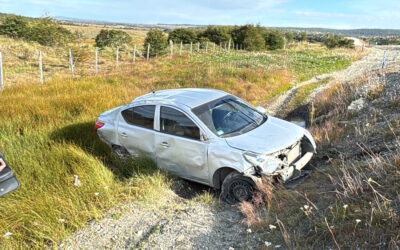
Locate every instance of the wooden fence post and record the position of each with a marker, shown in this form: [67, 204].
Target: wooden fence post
[180, 49]
[1, 72]
[229, 45]
[117, 56]
[206, 47]
[191, 47]
[41, 67]
[96, 68]
[214, 48]
[134, 53]
[148, 51]
[198, 47]
[171, 47]
[71, 62]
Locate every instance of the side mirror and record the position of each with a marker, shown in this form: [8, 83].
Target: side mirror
[262, 110]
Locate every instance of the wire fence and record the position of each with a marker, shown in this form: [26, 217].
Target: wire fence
[42, 64]
[94, 61]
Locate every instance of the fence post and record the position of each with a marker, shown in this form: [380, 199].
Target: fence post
[229, 45]
[134, 53]
[383, 62]
[117, 56]
[180, 49]
[206, 47]
[41, 67]
[191, 47]
[71, 63]
[1, 72]
[171, 47]
[214, 48]
[198, 47]
[97, 61]
[148, 51]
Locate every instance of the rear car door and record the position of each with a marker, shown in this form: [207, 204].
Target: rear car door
[8, 181]
[179, 148]
[136, 130]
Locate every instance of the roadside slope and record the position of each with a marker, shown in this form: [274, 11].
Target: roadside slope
[186, 223]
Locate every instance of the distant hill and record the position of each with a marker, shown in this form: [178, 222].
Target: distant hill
[344, 32]
[348, 32]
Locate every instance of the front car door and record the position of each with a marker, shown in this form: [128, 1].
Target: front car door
[8, 181]
[179, 148]
[136, 130]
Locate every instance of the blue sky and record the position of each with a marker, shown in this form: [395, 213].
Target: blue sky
[312, 13]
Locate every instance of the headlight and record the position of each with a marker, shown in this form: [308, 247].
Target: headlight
[267, 164]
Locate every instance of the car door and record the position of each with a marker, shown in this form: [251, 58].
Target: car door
[8, 181]
[179, 148]
[136, 130]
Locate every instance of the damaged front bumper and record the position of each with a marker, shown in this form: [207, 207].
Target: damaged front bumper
[283, 164]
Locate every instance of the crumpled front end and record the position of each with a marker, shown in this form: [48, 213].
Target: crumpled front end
[284, 163]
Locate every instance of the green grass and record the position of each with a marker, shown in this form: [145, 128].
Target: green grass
[47, 135]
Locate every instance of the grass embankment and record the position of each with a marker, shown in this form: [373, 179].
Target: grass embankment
[351, 199]
[46, 133]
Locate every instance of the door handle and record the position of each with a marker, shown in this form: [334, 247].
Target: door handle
[165, 144]
[123, 134]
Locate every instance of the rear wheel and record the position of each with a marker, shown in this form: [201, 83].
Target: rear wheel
[119, 151]
[237, 188]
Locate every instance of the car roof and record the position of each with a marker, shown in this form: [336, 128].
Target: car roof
[191, 97]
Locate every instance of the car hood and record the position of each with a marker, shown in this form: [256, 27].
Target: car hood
[274, 135]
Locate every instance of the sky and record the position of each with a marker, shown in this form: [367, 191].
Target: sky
[339, 14]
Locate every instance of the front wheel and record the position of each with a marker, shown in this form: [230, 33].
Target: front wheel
[237, 188]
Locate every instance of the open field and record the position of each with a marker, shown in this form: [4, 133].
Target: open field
[47, 135]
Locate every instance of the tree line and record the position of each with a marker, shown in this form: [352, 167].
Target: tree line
[249, 37]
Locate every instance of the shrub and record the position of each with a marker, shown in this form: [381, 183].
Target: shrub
[14, 26]
[334, 41]
[216, 34]
[112, 38]
[250, 36]
[254, 40]
[274, 39]
[182, 35]
[157, 40]
[303, 37]
[48, 32]
[43, 30]
[289, 37]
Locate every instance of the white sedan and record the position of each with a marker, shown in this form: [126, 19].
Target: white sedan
[208, 136]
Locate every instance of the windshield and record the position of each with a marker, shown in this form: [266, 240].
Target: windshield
[229, 116]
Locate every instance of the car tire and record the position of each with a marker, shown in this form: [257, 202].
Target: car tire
[119, 151]
[237, 188]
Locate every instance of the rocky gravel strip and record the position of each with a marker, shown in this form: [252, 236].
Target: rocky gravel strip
[178, 223]
[372, 62]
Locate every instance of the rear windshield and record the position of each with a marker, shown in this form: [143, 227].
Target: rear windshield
[229, 116]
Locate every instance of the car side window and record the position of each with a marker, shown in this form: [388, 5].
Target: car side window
[177, 123]
[142, 116]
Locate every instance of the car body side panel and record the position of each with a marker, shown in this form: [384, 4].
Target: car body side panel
[220, 155]
[137, 140]
[182, 156]
[108, 133]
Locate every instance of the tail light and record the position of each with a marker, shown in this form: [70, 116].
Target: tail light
[98, 125]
